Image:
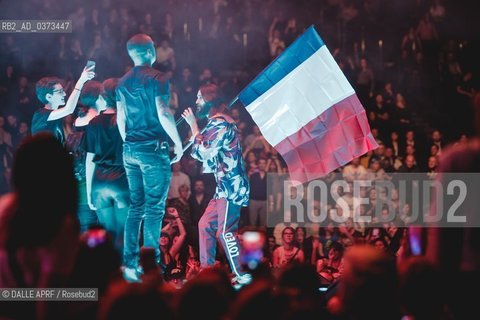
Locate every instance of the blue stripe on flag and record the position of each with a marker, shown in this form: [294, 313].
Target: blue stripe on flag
[299, 51]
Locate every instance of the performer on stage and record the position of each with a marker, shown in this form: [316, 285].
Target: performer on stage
[218, 148]
[145, 124]
[107, 185]
[51, 93]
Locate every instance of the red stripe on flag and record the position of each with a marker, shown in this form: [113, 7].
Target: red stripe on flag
[331, 140]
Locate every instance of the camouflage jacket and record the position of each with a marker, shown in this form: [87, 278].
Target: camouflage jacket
[218, 147]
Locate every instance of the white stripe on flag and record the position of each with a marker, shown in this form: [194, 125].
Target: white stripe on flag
[304, 94]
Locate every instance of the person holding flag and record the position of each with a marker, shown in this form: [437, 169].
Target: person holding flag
[305, 108]
[217, 146]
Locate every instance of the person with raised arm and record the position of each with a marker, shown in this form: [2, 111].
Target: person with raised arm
[218, 148]
[51, 93]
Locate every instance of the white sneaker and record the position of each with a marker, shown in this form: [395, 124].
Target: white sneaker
[140, 271]
[240, 281]
[131, 275]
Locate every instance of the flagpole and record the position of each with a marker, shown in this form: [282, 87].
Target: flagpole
[180, 120]
[232, 102]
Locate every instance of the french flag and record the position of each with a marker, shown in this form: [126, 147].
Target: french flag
[308, 111]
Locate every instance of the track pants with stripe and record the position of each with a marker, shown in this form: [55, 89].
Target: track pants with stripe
[220, 221]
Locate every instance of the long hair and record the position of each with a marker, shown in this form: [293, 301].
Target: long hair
[90, 93]
[109, 87]
[212, 95]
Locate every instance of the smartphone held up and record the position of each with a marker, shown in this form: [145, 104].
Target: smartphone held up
[89, 64]
[252, 249]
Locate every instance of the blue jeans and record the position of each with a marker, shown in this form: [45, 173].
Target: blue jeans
[110, 188]
[147, 165]
[111, 197]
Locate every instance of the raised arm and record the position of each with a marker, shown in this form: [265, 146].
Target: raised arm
[246, 151]
[271, 29]
[464, 92]
[266, 146]
[317, 247]
[72, 101]
[192, 121]
[183, 233]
